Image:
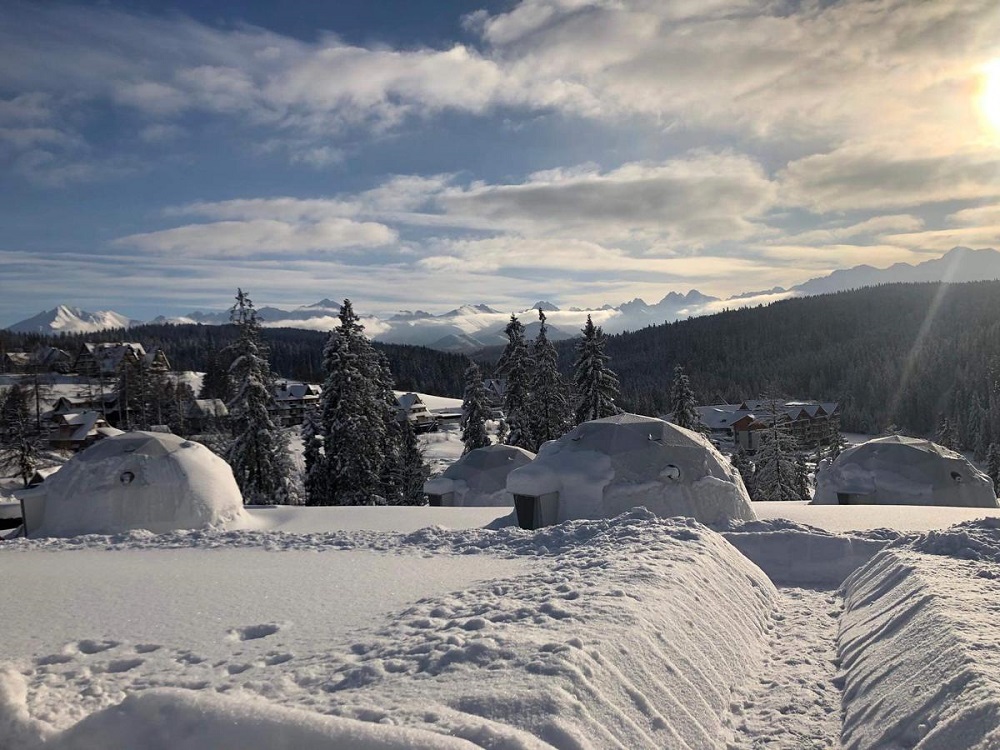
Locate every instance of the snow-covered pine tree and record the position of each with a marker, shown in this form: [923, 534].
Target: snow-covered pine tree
[945, 435]
[259, 452]
[596, 384]
[19, 452]
[352, 420]
[549, 408]
[802, 478]
[682, 402]
[836, 443]
[775, 477]
[475, 411]
[742, 464]
[312, 456]
[216, 383]
[395, 441]
[134, 393]
[993, 465]
[515, 367]
[413, 472]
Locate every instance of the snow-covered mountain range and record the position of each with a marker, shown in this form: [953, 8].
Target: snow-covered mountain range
[471, 327]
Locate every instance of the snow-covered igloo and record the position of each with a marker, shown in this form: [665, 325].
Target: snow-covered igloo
[607, 466]
[479, 478]
[898, 470]
[136, 480]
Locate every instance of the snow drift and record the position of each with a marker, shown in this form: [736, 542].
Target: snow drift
[918, 643]
[898, 470]
[606, 466]
[479, 477]
[136, 480]
[629, 632]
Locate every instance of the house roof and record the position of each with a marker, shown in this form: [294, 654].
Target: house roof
[409, 400]
[206, 407]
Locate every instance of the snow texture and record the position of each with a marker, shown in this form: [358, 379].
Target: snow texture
[604, 467]
[898, 470]
[920, 648]
[631, 632]
[480, 477]
[138, 480]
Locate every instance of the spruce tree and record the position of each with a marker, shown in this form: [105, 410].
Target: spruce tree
[19, 450]
[515, 367]
[776, 475]
[945, 435]
[413, 472]
[216, 383]
[993, 465]
[312, 455]
[259, 452]
[549, 408]
[837, 443]
[742, 464]
[596, 384]
[475, 411]
[352, 419]
[682, 402]
[802, 478]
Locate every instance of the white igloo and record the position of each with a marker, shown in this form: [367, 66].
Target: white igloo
[136, 480]
[479, 478]
[898, 470]
[607, 466]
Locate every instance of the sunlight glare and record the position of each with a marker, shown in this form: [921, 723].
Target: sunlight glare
[989, 97]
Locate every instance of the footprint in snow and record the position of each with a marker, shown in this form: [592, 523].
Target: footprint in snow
[147, 648]
[253, 632]
[95, 647]
[123, 665]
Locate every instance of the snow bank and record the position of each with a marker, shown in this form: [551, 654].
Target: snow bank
[628, 632]
[138, 480]
[170, 719]
[606, 466]
[918, 644]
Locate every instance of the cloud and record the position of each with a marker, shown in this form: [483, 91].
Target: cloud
[873, 227]
[261, 236]
[853, 178]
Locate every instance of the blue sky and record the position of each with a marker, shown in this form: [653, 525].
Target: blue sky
[420, 155]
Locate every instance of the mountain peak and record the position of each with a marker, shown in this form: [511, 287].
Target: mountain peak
[69, 319]
[546, 306]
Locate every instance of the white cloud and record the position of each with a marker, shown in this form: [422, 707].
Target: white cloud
[261, 236]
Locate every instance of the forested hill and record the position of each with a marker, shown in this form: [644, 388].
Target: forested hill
[901, 354]
[295, 353]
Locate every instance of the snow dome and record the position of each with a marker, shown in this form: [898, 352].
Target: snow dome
[607, 466]
[136, 480]
[479, 477]
[899, 470]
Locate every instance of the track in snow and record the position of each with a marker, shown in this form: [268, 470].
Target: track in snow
[797, 703]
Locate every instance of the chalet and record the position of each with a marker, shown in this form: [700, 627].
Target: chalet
[14, 362]
[410, 407]
[51, 359]
[106, 359]
[76, 430]
[811, 423]
[203, 414]
[294, 400]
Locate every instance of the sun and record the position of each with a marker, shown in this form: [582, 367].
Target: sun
[989, 95]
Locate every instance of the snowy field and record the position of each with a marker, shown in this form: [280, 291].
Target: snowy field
[416, 627]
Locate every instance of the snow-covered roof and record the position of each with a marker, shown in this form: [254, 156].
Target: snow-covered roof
[899, 470]
[286, 391]
[206, 407]
[480, 476]
[610, 465]
[409, 400]
[135, 480]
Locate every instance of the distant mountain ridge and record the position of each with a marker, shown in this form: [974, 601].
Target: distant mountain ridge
[475, 326]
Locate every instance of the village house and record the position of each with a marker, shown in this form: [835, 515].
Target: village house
[76, 430]
[106, 359]
[410, 407]
[294, 400]
[205, 414]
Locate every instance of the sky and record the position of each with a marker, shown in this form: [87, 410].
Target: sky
[155, 156]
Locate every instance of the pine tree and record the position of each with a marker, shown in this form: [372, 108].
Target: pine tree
[682, 402]
[475, 411]
[945, 435]
[259, 452]
[312, 456]
[993, 465]
[413, 472]
[776, 475]
[742, 464]
[352, 420]
[515, 367]
[836, 443]
[802, 478]
[217, 383]
[596, 384]
[19, 452]
[549, 406]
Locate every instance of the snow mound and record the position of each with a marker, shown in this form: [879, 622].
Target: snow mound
[607, 466]
[479, 477]
[919, 652]
[972, 540]
[137, 480]
[172, 719]
[899, 470]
